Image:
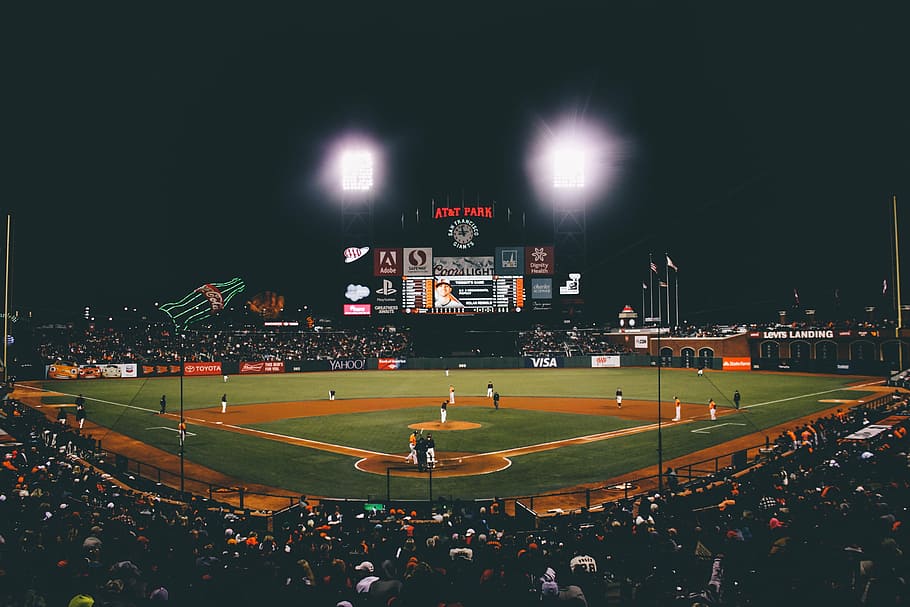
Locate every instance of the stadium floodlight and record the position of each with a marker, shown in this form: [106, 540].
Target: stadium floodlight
[575, 160]
[568, 166]
[356, 171]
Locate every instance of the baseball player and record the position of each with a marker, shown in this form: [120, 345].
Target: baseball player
[619, 397]
[443, 411]
[431, 451]
[412, 448]
[712, 409]
[678, 409]
[224, 403]
[451, 394]
[490, 389]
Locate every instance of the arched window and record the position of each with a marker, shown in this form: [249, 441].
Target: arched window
[862, 350]
[769, 349]
[688, 357]
[800, 351]
[826, 350]
[706, 358]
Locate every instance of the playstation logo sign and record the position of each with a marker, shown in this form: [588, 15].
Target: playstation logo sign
[387, 288]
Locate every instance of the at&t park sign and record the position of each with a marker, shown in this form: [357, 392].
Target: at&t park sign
[483, 211]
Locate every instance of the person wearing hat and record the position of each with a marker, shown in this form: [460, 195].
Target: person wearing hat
[712, 409]
[678, 406]
[412, 448]
[444, 297]
[443, 411]
[431, 451]
[619, 397]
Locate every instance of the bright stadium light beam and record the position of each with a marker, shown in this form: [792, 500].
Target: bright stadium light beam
[574, 159]
[356, 170]
[568, 163]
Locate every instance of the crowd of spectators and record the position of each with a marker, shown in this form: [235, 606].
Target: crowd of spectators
[159, 343]
[821, 521]
[541, 341]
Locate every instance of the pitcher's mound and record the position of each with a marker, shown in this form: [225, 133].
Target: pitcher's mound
[439, 426]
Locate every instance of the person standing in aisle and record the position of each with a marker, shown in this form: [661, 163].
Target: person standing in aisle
[80, 415]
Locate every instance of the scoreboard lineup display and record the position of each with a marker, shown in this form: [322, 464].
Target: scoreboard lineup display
[455, 274]
[464, 294]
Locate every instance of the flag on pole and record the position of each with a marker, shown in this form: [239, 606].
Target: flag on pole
[663, 284]
[654, 267]
[795, 297]
[885, 286]
[644, 285]
[202, 302]
[670, 264]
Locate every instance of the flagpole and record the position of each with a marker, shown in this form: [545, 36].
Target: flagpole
[668, 295]
[643, 287]
[676, 273]
[6, 304]
[651, 282]
[897, 287]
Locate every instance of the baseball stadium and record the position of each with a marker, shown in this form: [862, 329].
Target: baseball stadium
[449, 398]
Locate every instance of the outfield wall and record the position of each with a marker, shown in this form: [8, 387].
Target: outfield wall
[600, 361]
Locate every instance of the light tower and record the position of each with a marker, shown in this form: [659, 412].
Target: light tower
[568, 160]
[357, 171]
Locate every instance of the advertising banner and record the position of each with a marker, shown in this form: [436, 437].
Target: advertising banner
[641, 341]
[542, 362]
[418, 261]
[391, 364]
[213, 368]
[387, 262]
[510, 261]
[540, 261]
[358, 309]
[162, 370]
[355, 364]
[262, 366]
[737, 364]
[603, 361]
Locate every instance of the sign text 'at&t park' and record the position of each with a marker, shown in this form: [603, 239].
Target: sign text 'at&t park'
[485, 212]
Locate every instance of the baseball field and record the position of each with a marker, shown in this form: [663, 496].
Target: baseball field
[555, 428]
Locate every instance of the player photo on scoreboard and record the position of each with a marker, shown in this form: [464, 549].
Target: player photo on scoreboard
[444, 295]
[470, 293]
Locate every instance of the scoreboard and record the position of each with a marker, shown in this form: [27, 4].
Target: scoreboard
[459, 271]
[477, 294]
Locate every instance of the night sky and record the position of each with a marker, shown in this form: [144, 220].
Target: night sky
[151, 150]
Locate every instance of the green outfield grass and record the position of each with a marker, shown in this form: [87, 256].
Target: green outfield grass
[128, 406]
